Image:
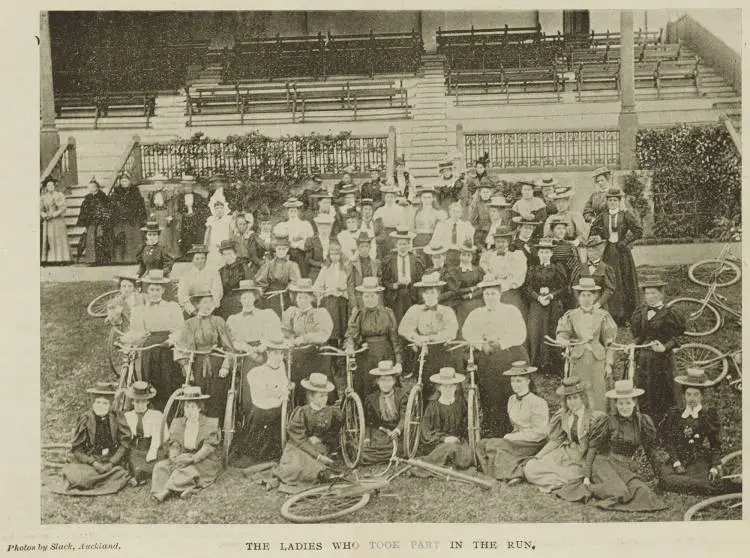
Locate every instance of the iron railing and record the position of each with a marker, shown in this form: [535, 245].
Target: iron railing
[63, 166]
[130, 162]
[545, 149]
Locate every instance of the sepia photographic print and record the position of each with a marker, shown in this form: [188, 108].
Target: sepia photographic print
[396, 267]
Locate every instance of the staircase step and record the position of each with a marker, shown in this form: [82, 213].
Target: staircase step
[425, 149]
[432, 156]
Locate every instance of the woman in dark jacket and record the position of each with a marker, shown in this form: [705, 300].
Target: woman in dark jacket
[128, 216]
[96, 243]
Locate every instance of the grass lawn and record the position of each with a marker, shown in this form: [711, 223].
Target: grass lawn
[73, 357]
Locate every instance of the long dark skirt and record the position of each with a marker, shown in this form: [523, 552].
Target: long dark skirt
[695, 480]
[504, 459]
[542, 320]
[258, 438]
[80, 479]
[338, 308]
[655, 373]
[160, 370]
[380, 448]
[378, 348]
[385, 244]
[230, 305]
[494, 389]
[127, 241]
[625, 299]
[438, 356]
[305, 362]
[96, 245]
[139, 468]
[206, 375]
[300, 258]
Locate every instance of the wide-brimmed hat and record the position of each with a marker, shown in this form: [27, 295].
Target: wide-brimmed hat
[402, 232]
[199, 249]
[120, 276]
[600, 171]
[386, 368]
[435, 249]
[140, 391]
[571, 386]
[489, 282]
[280, 240]
[556, 220]
[654, 281]
[447, 376]
[444, 165]
[103, 388]
[155, 277]
[369, 285]
[498, 201]
[348, 189]
[520, 368]
[152, 226]
[363, 236]
[227, 245]
[248, 285]
[586, 284]
[159, 177]
[302, 285]
[317, 382]
[521, 221]
[389, 189]
[293, 203]
[200, 295]
[49, 179]
[594, 240]
[276, 342]
[217, 177]
[624, 389]
[425, 190]
[547, 181]
[545, 243]
[366, 201]
[563, 192]
[191, 393]
[502, 232]
[694, 377]
[614, 193]
[430, 280]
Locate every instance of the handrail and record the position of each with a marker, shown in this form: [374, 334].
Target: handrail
[736, 138]
[129, 161]
[63, 166]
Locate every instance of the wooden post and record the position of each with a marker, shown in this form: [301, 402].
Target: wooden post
[461, 146]
[72, 162]
[628, 120]
[390, 155]
[49, 140]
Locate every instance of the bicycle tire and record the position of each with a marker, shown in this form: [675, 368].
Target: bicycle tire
[412, 421]
[716, 271]
[352, 433]
[725, 499]
[691, 355]
[314, 498]
[701, 318]
[97, 308]
[474, 427]
[228, 429]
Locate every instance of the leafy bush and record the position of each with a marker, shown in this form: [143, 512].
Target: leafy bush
[634, 189]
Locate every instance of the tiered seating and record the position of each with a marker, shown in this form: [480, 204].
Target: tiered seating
[128, 108]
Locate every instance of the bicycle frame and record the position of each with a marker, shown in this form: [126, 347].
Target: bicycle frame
[630, 350]
[566, 351]
[280, 294]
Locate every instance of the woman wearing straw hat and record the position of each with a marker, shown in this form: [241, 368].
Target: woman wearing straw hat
[661, 325]
[619, 228]
[592, 361]
[611, 480]
[498, 331]
[319, 244]
[145, 430]
[375, 325]
[194, 460]
[577, 230]
[602, 273]
[52, 206]
[313, 433]
[277, 274]
[691, 435]
[384, 413]
[499, 219]
[503, 458]
[198, 278]
[526, 234]
[153, 255]
[597, 202]
[128, 216]
[400, 272]
[162, 208]
[100, 447]
[390, 215]
[546, 189]
[363, 265]
[192, 206]
[426, 217]
[465, 277]
[562, 459]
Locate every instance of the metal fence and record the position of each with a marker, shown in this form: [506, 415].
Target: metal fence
[545, 148]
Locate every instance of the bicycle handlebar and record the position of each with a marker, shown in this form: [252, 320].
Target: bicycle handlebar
[630, 346]
[330, 350]
[553, 342]
[426, 343]
[196, 352]
[133, 348]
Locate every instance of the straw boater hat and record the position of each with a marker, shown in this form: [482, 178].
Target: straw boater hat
[490, 282]
[467, 246]
[520, 221]
[248, 285]
[140, 391]
[302, 285]
[386, 368]
[445, 165]
[154, 277]
[555, 221]
[653, 281]
[120, 276]
[694, 377]
[624, 389]
[615, 193]
[293, 203]
[594, 240]
[571, 386]
[363, 236]
[563, 192]
[435, 249]
[200, 295]
[503, 232]
[366, 201]
[425, 190]
[430, 280]
[600, 171]
[546, 181]
[280, 240]
[159, 177]
[103, 388]
[191, 393]
[520, 368]
[545, 243]
[277, 343]
[402, 232]
[447, 376]
[152, 226]
[498, 201]
[369, 285]
[227, 245]
[317, 382]
[586, 284]
[348, 170]
[199, 249]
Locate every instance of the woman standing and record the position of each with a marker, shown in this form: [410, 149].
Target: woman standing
[96, 243]
[481, 178]
[276, 275]
[192, 206]
[619, 228]
[529, 207]
[592, 361]
[218, 229]
[597, 202]
[298, 232]
[260, 243]
[162, 208]
[391, 216]
[232, 273]
[145, 430]
[52, 206]
[426, 217]
[466, 276]
[128, 216]
[318, 246]
[153, 255]
[509, 267]
[611, 480]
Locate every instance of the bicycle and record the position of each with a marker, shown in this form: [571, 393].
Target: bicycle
[352, 433]
[473, 408]
[724, 506]
[97, 308]
[722, 271]
[128, 373]
[289, 404]
[414, 404]
[701, 315]
[630, 350]
[549, 341]
[233, 401]
[697, 355]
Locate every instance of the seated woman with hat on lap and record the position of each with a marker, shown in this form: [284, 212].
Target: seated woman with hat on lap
[384, 413]
[194, 461]
[313, 433]
[145, 429]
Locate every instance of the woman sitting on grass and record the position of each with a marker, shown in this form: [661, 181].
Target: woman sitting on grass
[384, 414]
[145, 429]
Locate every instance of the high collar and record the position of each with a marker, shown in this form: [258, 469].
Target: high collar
[688, 412]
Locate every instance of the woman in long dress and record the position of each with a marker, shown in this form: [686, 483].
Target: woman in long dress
[276, 275]
[96, 243]
[145, 430]
[128, 216]
[611, 480]
[529, 207]
[52, 205]
[390, 215]
[218, 229]
[425, 218]
[385, 409]
[163, 208]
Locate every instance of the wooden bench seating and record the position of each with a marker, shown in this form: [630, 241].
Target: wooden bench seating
[138, 106]
[509, 82]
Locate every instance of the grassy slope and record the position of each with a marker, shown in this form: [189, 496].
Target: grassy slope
[73, 357]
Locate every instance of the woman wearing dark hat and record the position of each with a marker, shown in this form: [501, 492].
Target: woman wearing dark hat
[562, 459]
[52, 206]
[592, 361]
[524, 239]
[546, 186]
[153, 323]
[479, 213]
[481, 178]
[597, 202]
[528, 207]
[232, 272]
[198, 278]
[363, 265]
[656, 323]
[498, 333]
[298, 232]
[162, 208]
[194, 460]
[499, 219]
[145, 431]
[371, 188]
[100, 447]
[192, 205]
[385, 408]
[619, 228]
[390, 215]
[260, 243]
[611, 480]
[319, 244]
[277, 274]
[426, 217]
[465, 277]
[576, 228]
[313, 433]
[128, 216]
[692, 437]
[503, 458]
[95, 246]
[545, 288]
[447, 187]
[375, 325]
[594, 267]
[153, 255]
[368, 225]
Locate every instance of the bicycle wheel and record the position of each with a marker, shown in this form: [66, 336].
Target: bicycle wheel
[412, 421]
[229, 418]
[731, 468]
[474, 419]
[699, 355]
[717, 508]
[97, 308]
[722, 273]
[701, 318]
[352, 434]
[323, 503]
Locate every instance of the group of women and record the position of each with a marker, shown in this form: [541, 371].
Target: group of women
[405, 283]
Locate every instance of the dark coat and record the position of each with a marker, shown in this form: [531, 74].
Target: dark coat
[85, 434]
[401, 298]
